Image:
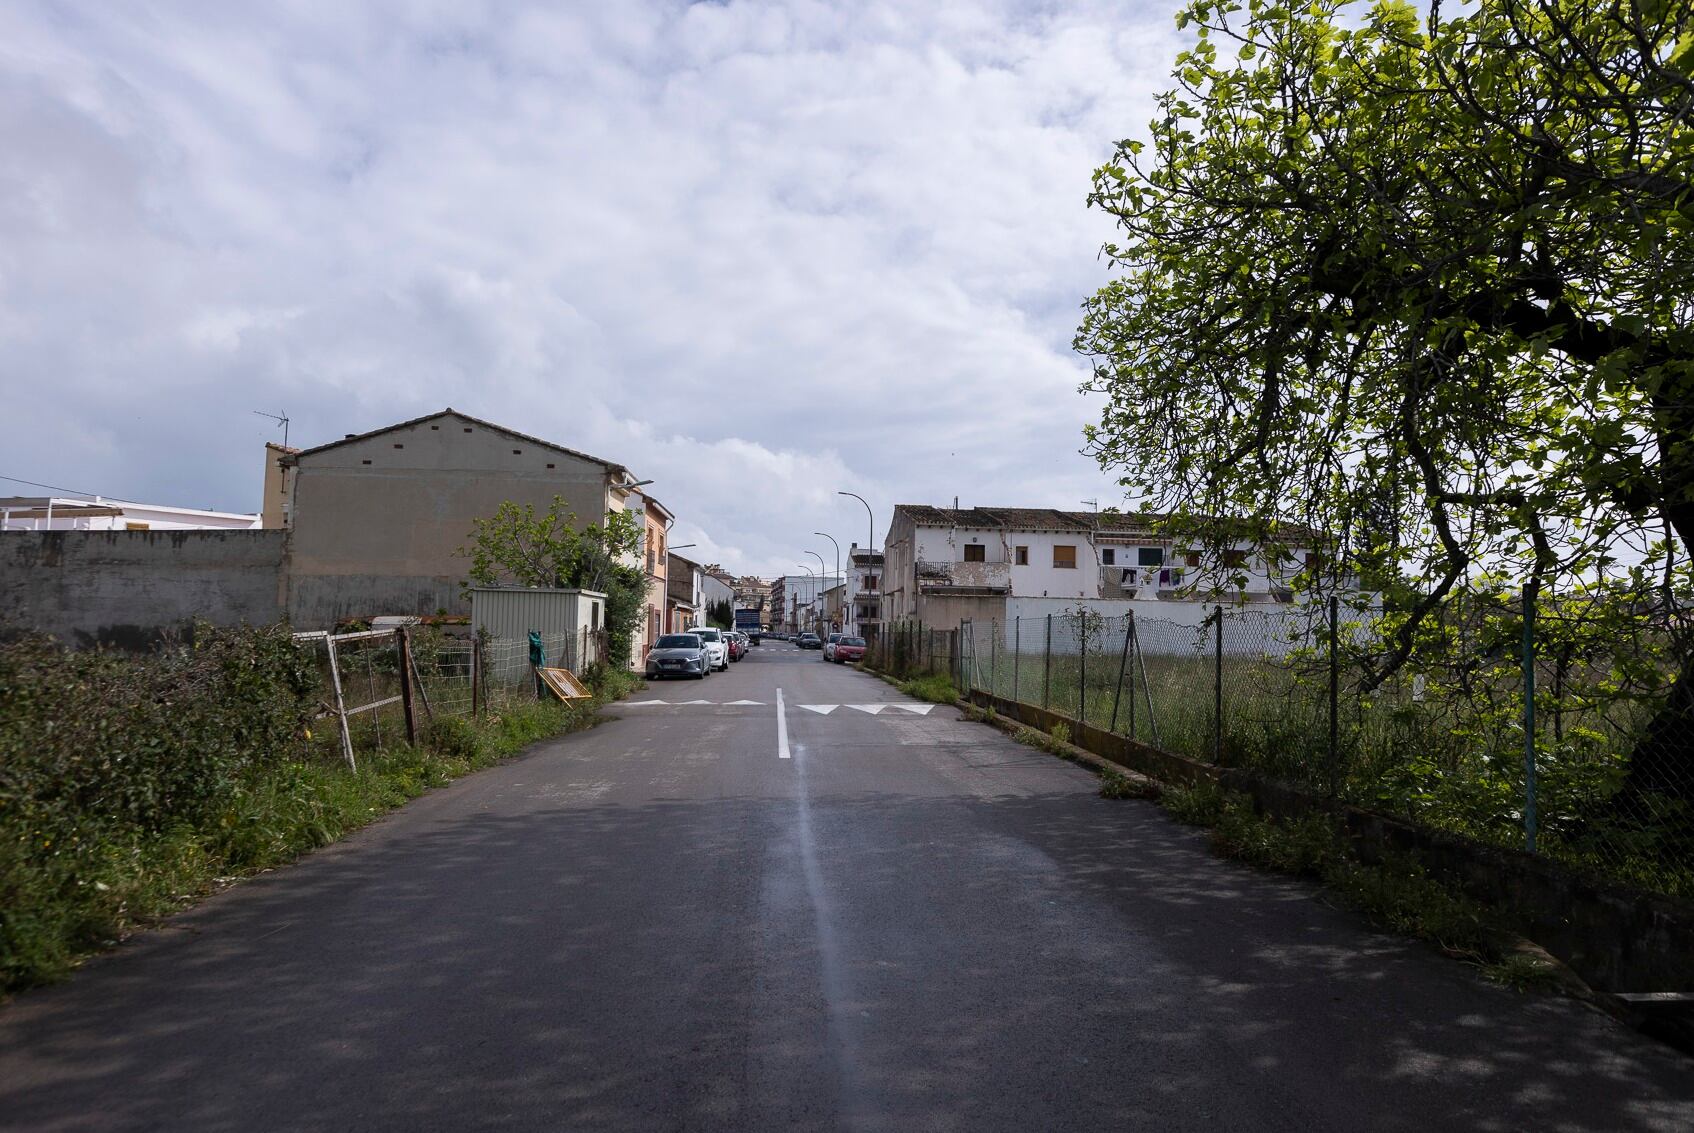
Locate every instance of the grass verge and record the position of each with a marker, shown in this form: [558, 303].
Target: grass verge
[936, 688]
[1395, 894]
[86, 889]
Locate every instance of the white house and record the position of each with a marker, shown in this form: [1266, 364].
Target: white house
[864, 588]
[99, 513]
[944, 565]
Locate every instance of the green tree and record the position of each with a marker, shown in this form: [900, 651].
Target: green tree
[721, 614]
[1422, 283]
[517, 547]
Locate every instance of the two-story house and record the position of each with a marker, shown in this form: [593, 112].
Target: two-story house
[945, 565]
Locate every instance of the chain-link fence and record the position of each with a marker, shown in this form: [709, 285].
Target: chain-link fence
[912, 649]
[381, 686]
[1546, 736]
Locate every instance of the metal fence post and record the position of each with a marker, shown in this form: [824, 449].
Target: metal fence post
[1334, 703]
[1047, 667]
[993, 655]
[1123, 663]
[1082, 669]
[1017, 653]
[1217, 687]
[1529, 717]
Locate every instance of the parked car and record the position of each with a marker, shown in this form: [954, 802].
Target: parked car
[848, 649]
[716, 644]
[737, 644]
[809, 641]
[829, 646]
[679, 655]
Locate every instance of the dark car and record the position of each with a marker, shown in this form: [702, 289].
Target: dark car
[849, 649]
[809, 641]
[679, 655]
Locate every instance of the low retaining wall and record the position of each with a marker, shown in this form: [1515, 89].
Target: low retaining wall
[1617, 939]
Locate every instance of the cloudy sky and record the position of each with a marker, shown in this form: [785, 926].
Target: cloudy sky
[758, 252]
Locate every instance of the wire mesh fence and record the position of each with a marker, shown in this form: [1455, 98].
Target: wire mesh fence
[371, 680]
[1535, 741]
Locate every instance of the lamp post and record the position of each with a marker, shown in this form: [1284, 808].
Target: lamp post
[838, 577]
[814, 575]
[871, 519]
[823, 569]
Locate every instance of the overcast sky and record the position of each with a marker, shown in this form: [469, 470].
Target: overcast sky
[757, 252]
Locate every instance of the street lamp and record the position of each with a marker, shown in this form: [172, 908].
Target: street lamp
[814, 574]
[868, 516]
[838, 577]
[823, 570]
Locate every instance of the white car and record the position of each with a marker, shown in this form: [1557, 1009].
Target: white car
[716, 647]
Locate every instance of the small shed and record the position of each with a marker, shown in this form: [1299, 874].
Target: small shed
[568, 620]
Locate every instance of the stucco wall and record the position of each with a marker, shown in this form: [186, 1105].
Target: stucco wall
[127, 587]
[376, 522]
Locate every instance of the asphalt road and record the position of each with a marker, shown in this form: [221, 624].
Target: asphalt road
[909, 922]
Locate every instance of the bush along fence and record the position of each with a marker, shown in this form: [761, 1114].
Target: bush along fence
[132, 783]
[1526, 747]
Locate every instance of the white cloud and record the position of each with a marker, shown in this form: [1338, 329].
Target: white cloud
[758, 252]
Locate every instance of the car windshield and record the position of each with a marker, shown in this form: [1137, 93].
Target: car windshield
[679, 641]
[708, 634]
[851, 641]
[835, 637]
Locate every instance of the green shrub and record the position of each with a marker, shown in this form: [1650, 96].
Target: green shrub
[936, 688]
[130, 783]
[1199, 805]
[1117, 785]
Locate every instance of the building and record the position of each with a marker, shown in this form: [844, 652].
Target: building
[715, 588]
[794, 602]
[653, 520]
[864, 589]
[376, 521]
[686, 603]
[752, 593]
[834, 607]
[98, 513]
[946, 565]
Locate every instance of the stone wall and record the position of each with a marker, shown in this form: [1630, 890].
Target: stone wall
[127, 588]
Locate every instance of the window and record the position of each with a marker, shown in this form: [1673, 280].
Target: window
[975, 552]
[1149, 556]
[1021, 556]
[1314, 560]
[1064, 556]
[1109, 557]
[1233, 558]
[399, 446]
[1191, 558]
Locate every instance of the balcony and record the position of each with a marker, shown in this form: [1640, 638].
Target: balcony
[1138, 581]
[970, 578]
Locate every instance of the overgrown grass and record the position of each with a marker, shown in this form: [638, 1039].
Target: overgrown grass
[79, 882]
[1396, 893]
[936, 688]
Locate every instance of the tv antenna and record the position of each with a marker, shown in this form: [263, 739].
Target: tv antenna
[280, 419]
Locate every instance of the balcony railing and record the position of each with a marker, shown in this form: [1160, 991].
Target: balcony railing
[982, 576]
[1130, 581]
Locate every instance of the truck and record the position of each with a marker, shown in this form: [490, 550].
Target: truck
[747, 621]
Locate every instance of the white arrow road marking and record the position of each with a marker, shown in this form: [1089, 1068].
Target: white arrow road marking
[757, 702]
[920, 709]
[873, 709]
[781, 728]
[820, 709]
[644, 703]
[696, 702]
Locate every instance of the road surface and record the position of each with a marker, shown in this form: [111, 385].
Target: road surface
[853, 913]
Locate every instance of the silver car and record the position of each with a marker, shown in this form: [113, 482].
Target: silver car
[679, 655]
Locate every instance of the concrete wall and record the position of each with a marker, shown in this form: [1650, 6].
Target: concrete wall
[126, 587]
[376, 522]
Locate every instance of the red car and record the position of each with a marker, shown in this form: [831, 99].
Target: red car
[849, 649]
[737, 646]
